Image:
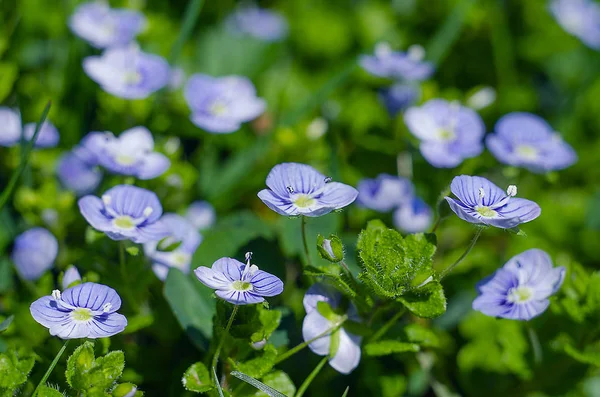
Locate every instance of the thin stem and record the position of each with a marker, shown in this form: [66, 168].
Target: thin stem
[311, 376]
[464, 254]
[302, 345]
[535, 344]
[192, 12]
[386, 327]
[305, 241]
[220, 345]
[52, 365]
[12, 183]
[125, 276]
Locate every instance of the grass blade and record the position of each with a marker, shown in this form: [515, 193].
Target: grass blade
[258, 384]
[6, 323]
[346, 392]
[311, 377]
[192, 12]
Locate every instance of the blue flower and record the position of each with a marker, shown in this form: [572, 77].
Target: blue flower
[384, 193]
[78, 175]
[104, 27]
[127, 72]
[259, 23]
[449, 132]
[10, 131]
[299, 189]
[70, 277]
[526, 140]
[125, 213]
[405, 66]
[221, 104]
[34, 252]
[481, 202]
[181, 232]
[201, 214]
[413, 217]
[521, 288]
[131, 153]
[581, 18]
[84, 311]
[238, 283]
[399, 97]
[347, 356]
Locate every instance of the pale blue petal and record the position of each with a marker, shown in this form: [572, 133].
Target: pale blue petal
[92, 296]
[106, 325]
[348, 354]
[266, 284]
[315, 324]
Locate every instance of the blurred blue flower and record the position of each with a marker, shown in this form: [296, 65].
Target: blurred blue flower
[34, 253]
[521, 288]
[201, 214]
[581, 18]
[128, 72]
[181, 232]
[384, 193]
[10, 130]
[482, 202]
[70, 276]
[103, 27]
[238, 283]
[397, 65]
[449, 132]
[260, 23]
[131, 153]
[398, 97]
[347, 356]
[413, 217]
[84, 311]
[299, 189]
[125, 212]
[526, 140]
[78, 175]
[222, 104]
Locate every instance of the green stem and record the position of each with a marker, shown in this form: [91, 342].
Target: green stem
[305, 241]
[220, 345]
[12, 183]
[125, 276]
[192, 12]
[52, 365]
[464, 254]
[311, 376]
[302, 345]
[386, 327]
[535, 344]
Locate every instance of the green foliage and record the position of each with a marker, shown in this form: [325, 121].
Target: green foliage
[392, 265]
[126, 390]
[46, 391]
[197, 378]
[331, 248]
[6, 323]
[15, 366]
[428, 301]
[273, 383]
[386, 347]
[260, 365]
[420, 335]
[86, 373]
[334, 275]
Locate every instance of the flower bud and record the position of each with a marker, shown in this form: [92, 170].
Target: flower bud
[331, 248]
[125, 390]
[70, 278]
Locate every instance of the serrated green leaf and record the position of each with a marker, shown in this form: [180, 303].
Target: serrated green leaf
[259, 366]
[45, 391]
[14, 369]
[78, 365]
[85, 372]
[269, 321]
[334, 275]
[6, 323]
[420, 335]
[109, 369]
[280, 382]
[386, 347]
[428, 301]
[197, 379]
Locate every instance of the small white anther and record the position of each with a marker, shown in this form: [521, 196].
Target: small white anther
[56, 295]
[106, 199]
[416, 52]
[148, 211]
[106, 308]
[290, 189]
[248, 256]
[511, 191]
[253, 269]
[481, 193]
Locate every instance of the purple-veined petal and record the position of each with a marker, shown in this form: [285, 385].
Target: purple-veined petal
[70, 329]
[212, 278]
[93, 296]
[91, 208]
[461, 211]
[230, 267]
[46, 312]
[282, 206]
[523, 209]
[106, 325]
[266, 284]
[528, 310]
[337, 195]
[301, 178]
[133, 201]
[151, 232]
[466, 188]
[239, 297]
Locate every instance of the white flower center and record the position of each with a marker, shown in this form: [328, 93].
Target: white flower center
[527, 152]
[218, 108]
[520, 294]
[304, 201]
[124, 222]
[81, 314]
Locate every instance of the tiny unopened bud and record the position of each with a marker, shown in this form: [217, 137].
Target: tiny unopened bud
[259, 345]
[70, 277]
[511, 191]
[331, 248]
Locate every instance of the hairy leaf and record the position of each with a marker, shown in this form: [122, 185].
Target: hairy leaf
[197, 378]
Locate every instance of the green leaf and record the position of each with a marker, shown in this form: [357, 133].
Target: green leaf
[331, 249]
[228, 236]
[192, 304]
[420, 335]
[386, 347]
[259, 366]
[85, 372]
[334, 343]
[126, 390]
[269, 321]
[6, 323]
[264, 388]
[79, 364]
[197, 378]
[392, 265]
[428, 301]
[14, 369]
[326, 311]
[8, 76]
[45, 391]
[133, 250]
[278, 380]
[333, 274]
[346, 392]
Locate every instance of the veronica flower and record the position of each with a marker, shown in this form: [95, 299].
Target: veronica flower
[70, 276]
[449, 132]
[181, 232]
[103, 27]
[581, 18]
[10, 131]
[222, 104]
[131, 153]
[398, 97]
[384, 193]
[413, 217]
[347, 356]
[521, 288]
[259, 23]
[201, 214]
[128, 72]
[406, 66]
[78, 175]
[34, 253]
[479, 201]
[84, 311]
[125, 213]
[238, 283]
[299, 189]
[526, 140]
